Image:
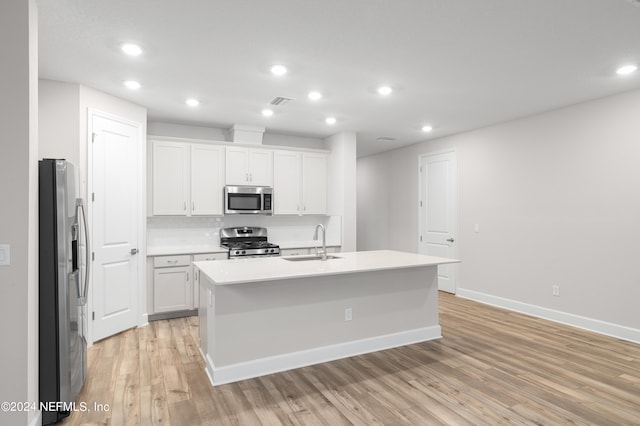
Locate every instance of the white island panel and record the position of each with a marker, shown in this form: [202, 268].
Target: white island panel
[259, 327]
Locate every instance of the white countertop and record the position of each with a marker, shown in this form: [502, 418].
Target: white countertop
[238, 271]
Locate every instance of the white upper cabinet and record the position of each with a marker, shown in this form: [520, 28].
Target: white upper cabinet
[187, 179]
[207, 162]
[287, 182]
[247, 166]
[314, 183]
[300, 183]
[170, 178]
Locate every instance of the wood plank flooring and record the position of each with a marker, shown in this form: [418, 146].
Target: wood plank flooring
[492, 367]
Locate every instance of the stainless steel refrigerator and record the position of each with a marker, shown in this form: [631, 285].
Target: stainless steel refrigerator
[63, 347]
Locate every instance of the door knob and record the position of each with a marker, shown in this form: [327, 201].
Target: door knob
[133, 251]
[450, 240]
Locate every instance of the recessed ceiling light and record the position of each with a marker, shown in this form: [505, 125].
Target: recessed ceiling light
[133, 85]
[267, 112]
[427, 128]
[132, 49]
[627, 69]
[193, 102]
[314, 96]
[330, 120]
[279, 69]
[385, 90]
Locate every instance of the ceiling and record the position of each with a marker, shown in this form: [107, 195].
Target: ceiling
[455, 65]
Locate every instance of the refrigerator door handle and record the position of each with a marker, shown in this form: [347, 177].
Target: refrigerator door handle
[87, 249]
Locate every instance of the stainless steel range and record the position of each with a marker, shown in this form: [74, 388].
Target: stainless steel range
[247, 241]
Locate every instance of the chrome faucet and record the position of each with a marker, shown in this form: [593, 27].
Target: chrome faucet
[324, 241]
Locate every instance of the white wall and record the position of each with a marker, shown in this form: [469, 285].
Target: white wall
[63, 120]
[342, 185]
[59, 121]
[18, 210]
[556, 198]
[373, 224]
[64, 109]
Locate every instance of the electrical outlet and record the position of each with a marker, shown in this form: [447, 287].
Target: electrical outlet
[348, 314]
[555, 290]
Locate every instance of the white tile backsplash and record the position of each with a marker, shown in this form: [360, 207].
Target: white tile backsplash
[199, 231]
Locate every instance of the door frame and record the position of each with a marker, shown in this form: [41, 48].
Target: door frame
[142, 315]
[421, 222]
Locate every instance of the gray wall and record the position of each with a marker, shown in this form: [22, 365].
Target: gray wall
[18, 209]
[59, 120]
[556, 197]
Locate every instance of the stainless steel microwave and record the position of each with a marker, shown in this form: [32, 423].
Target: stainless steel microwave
[248, 200]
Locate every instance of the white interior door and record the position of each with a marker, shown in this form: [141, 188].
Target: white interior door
[115, 188]
[438, 213]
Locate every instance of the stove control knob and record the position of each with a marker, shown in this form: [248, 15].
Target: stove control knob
[237, 252]
[244, 252]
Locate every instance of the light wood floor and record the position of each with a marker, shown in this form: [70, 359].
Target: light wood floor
[491, 367]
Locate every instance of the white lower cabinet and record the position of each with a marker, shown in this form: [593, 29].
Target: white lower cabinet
[175, 282]
[172, 288]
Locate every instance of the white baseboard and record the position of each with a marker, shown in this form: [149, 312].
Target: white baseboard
[277, 363]
[37, 419]
[144, 320]
[590, 324]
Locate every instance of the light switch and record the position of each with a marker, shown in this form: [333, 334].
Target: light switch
[5, 255]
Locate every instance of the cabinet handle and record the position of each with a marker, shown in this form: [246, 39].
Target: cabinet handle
[187, 277]
[172, 261]
[246, 177]
[193, 206]
[250, 177]
[184, 205]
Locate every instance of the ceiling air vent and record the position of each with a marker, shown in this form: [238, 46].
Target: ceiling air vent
[386, 139]
[279, 100]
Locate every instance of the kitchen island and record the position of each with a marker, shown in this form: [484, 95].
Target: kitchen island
[263, 315]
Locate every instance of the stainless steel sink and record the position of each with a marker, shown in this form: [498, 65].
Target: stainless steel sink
[311, 257]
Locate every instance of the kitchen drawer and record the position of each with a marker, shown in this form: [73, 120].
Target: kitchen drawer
[167, 261]
[210, 256]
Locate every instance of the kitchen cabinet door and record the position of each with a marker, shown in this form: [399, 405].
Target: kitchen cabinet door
[246, 166]
[206, 179]
[287, 181]
[237, 166]
[314, 183]
[172, 289]
[170, 181]
[260, 167]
